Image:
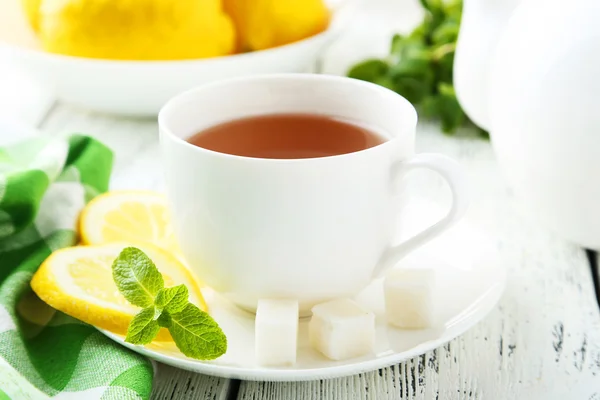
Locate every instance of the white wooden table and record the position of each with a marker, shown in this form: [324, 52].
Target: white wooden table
[541, 342]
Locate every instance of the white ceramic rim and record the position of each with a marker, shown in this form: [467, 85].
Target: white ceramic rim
[185, 96]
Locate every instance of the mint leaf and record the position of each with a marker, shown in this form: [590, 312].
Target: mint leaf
[173, 299]
[164, 320]
[136, 277]
[450, 113]
[143, 328]
[369, 70]
[196, 334]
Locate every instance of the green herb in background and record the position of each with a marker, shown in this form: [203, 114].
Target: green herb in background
[419, 66]
[194, 332]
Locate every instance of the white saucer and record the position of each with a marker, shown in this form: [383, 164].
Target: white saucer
[470, 281]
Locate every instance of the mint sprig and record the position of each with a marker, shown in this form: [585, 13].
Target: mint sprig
[420, 65]
[194, 332]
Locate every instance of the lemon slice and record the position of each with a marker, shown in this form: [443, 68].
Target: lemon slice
[78, 281]
[128, 216]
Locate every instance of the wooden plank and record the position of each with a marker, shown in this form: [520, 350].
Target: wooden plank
[174, 384]
[137, 166]
[542, 342]
[593, 259]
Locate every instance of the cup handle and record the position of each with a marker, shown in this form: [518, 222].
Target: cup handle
[454, 174]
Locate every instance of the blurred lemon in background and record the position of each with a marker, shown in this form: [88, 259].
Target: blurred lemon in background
[171, 29]
[262, 24]
[31, 8]
[133, 29]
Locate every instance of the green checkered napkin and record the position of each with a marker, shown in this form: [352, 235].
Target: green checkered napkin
[44, 184]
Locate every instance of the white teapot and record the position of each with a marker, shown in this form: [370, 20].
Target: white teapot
[528, 71]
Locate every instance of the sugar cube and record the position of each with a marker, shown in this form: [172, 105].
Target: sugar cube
[408, 297]
[276, 332]
[341, 329]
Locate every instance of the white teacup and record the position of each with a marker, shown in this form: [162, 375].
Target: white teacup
[309, 229]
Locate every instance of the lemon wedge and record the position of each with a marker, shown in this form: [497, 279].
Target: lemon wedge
[128, 216]
[78, 281]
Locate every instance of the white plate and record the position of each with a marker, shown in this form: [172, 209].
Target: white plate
[469, 282]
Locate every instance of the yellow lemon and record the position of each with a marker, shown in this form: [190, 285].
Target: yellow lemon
[128, 216]
[262, 24]
[134, 29]
[78, 281]
[31, 8]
